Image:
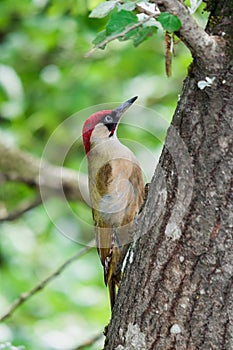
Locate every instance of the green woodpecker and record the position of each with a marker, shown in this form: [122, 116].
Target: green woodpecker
[116, 190]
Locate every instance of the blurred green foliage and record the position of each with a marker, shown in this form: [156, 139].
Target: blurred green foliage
[44, 79]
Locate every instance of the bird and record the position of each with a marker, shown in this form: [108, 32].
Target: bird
[116, 189]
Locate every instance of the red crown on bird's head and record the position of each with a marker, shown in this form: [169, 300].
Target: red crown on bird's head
[89, 126]
[94, 119]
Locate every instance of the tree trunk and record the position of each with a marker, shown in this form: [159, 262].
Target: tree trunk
[177, 290]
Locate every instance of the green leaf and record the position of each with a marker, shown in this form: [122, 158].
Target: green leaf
[119, 21]
[171, 23]
[101, 36]
[130, 35]
[102, 9]
[143, 34]
[140, 34]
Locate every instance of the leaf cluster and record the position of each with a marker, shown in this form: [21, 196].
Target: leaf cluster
[125, 24]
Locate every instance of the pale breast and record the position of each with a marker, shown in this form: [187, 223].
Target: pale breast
[116, 183]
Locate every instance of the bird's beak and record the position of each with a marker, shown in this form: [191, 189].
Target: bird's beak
[122, 108]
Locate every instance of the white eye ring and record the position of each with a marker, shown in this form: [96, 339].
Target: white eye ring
[108, 119]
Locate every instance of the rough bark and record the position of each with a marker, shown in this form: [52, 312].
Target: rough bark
[177, 290]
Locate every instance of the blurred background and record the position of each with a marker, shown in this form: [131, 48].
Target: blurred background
[45, 79]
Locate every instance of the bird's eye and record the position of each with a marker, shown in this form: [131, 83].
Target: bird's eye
[108, 119]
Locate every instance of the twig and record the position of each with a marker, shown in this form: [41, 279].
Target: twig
[119, 35]
[89, 342]
[25, 296]
[195, 38]
[21, 209]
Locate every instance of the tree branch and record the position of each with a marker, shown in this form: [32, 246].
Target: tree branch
[195, 38]
[16, 165]
[147, 12]
[25, 296]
